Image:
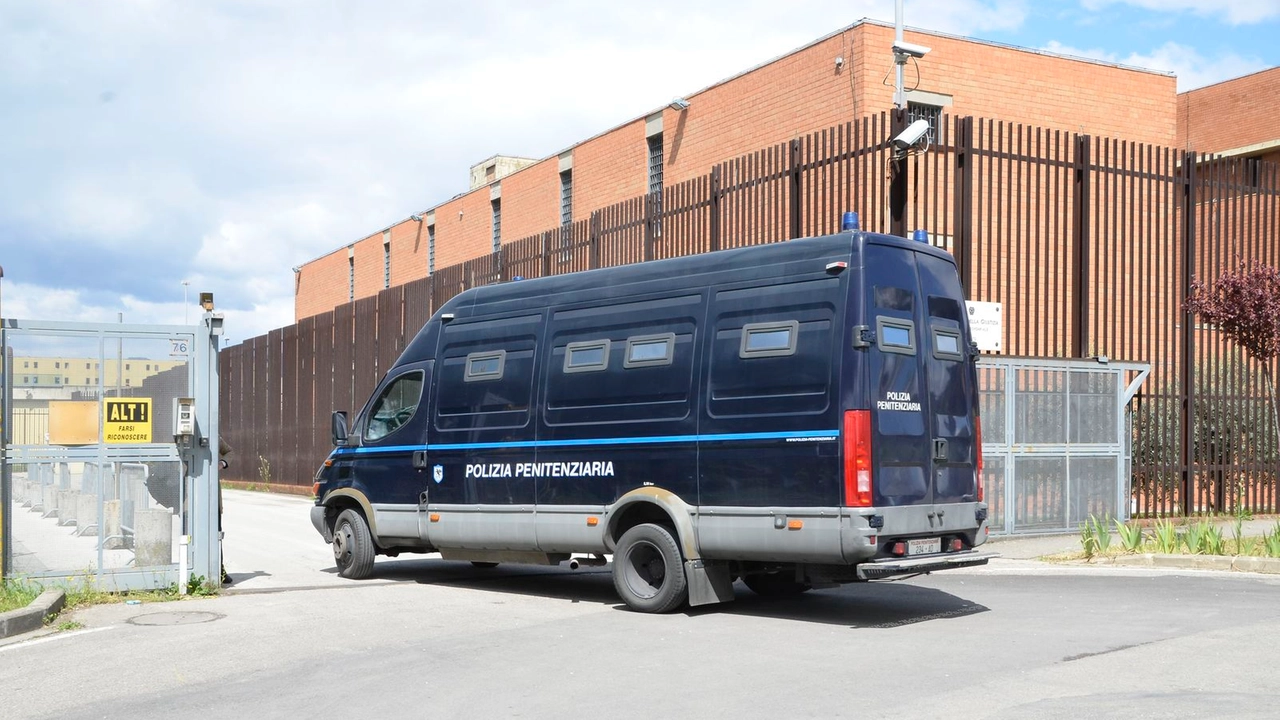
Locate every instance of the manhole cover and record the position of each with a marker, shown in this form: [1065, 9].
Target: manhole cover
[175, 618]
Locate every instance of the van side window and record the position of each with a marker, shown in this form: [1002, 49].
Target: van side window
[946, 344]
[649, 350]
[774, 339]
[892, 298]
[588, 356]
[896, 335]
[395, 406]
[485, 366]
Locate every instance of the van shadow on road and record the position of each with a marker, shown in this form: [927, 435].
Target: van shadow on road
[884, 605]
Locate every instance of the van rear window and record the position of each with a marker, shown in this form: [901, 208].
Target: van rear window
[896, 335]
[892, 298]
[944, 307]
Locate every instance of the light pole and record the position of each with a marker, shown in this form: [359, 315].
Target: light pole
[185, 308]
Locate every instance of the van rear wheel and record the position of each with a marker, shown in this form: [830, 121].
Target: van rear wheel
[648, 570]
[352, 545]
[774, 584]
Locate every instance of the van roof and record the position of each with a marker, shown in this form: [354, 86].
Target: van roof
[767, 260]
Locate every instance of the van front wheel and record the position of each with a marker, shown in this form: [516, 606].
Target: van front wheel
[648, 570]
[352, 546]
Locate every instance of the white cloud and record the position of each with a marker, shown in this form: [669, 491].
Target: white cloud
[1192, 69]
[1233, 12]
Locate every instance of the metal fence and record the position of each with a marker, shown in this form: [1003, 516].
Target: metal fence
[1088, 243]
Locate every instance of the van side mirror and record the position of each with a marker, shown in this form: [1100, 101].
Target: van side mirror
[338, 428]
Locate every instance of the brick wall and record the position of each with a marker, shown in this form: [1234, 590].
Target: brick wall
[1230, 115]
[797, 94]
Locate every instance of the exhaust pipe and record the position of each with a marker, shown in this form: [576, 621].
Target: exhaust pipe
[594, 560]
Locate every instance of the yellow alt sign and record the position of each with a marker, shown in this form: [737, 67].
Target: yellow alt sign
[126, 420]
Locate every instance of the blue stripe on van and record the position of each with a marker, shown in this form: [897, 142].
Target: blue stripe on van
[648, 440]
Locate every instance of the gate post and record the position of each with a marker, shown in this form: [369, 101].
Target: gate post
[794, 177]
[205, 533]
[714, 210]
[1081, 167]
[898, 181]
[1187, 371]
[963, 243]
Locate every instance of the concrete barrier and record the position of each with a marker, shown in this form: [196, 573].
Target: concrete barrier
[152, 538]
[86, 513]
[113, 531]
[67, 506]
[49, 500]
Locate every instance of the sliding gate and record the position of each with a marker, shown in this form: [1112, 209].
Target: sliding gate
[1056, 441]
[108, 473]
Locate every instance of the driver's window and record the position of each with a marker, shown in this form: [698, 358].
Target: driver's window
[395, 406]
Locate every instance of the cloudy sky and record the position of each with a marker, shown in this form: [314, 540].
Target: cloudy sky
[144, 143]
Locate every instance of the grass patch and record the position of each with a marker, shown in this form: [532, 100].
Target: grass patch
[1167, 538]
[16, 594]
[83, 591]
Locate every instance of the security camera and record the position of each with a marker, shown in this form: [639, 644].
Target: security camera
[912, 135]
[905, 49]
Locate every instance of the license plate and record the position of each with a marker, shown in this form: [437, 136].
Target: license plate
[924, 546]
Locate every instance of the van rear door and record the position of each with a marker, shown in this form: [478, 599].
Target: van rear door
[922, 386]
[899, 400]
[951, 383]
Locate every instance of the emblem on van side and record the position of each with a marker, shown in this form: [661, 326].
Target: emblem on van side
[437, 474]
[898, 401]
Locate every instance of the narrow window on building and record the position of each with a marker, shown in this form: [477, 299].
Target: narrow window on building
[566, 199]
[497, 224]
[57, 366]
[128, 366]
[655, 181]
[923, 111]
[86, 366]
[26, 364]
[25, 380]
[57, 380]
[35, 364]
[386, 259]
[128, 382]
[351, 279]
[86, 381]
[431, 249]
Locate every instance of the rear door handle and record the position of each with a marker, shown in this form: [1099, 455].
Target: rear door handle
[420, 459]
[940, 450]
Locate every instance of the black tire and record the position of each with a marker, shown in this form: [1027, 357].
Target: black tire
[648, 570]
[483, 565]
[352, 546]
[774, 584]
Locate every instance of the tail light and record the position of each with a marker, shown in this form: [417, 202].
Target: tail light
[857, 458]
[977, 476]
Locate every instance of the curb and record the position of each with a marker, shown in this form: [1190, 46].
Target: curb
[24, 620]
[1225, 563]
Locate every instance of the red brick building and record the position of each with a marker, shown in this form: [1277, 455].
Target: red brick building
[830, 81]
[1233, 118]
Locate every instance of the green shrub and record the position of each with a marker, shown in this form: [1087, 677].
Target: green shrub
[1131, 536]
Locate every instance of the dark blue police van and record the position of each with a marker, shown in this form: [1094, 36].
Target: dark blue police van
[793, 415]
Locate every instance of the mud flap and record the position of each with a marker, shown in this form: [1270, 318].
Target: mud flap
[708, 582]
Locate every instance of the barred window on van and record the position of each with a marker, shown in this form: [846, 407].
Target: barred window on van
[649, 350]
[588, 356]
[485, 366]
[946, 344]
[774, 339]
[896, 335]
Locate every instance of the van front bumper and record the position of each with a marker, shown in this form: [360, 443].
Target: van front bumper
[889, 567]
[317, 520]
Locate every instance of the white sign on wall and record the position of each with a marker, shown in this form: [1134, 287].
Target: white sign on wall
[986, 324]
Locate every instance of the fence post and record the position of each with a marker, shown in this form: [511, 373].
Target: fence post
[650, 220]
[794, 172]
[898, 181]
[593, 239]
[714, 210]
[546, 250]
[1082, 168]
[1187, 371]
[963, 238]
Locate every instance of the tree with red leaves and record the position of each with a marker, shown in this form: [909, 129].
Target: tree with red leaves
[1245, 306]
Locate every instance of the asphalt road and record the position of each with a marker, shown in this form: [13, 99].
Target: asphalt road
[1017, 639]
